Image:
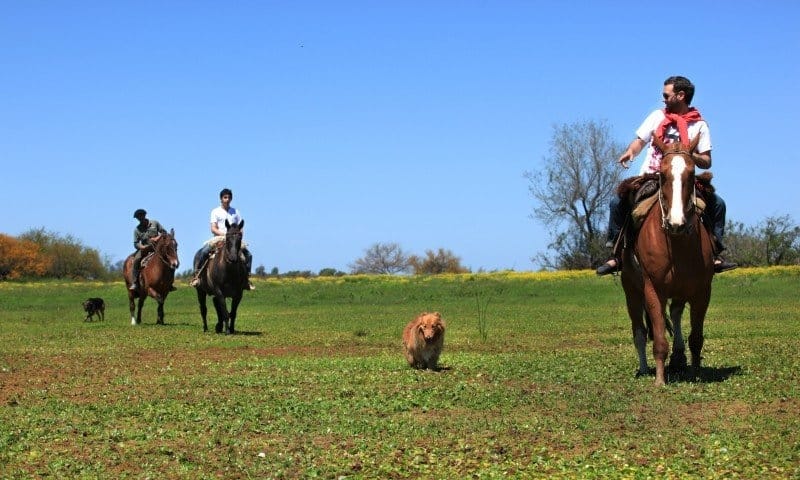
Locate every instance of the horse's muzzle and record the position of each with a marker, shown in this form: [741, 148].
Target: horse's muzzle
[684, 228]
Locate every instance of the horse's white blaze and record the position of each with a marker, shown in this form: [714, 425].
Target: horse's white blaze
[676, 211]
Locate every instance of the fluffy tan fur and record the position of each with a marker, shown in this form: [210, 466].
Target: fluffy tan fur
[423, 339]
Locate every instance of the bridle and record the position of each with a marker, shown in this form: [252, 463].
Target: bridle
[160, 251]
[231, 238]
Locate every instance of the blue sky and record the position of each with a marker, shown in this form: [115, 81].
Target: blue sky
[341, 124]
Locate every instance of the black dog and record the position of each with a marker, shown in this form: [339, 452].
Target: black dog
[94, 306]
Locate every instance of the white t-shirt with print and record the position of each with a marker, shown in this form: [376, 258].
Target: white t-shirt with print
[219, 215]
[652, 158]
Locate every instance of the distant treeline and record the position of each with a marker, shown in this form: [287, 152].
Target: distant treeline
[39, 253]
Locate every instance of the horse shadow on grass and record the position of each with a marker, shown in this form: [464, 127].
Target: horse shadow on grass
[701, 375]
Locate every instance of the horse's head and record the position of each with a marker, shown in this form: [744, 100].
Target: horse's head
[166, 248]
[233, 240]
[676, 195]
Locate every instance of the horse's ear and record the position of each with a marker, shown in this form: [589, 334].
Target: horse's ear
[241, 225]
[694, 143]
[171, 232]
[227, 224]
[658, 143]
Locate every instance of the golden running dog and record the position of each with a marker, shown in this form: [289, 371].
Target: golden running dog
[94, 306]
[423, 339]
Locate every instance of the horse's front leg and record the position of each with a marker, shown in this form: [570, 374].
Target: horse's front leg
[699, 307]
[222, 314]
[635, 312]
[160, 320]
[234, 307]
[654, 306]
[677, 361]
[201, 299]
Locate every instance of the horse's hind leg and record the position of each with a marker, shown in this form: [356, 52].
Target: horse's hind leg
[139, 310]
[132, 306]
[635, 312]
[677, 361]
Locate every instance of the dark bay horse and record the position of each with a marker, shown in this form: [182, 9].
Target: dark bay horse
[670, 258]
[225, 276]
[156, 275]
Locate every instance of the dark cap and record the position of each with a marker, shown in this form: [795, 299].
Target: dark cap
[139, 212]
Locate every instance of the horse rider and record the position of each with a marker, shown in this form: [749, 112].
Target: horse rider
[145, 233]
[218, 216]
[676, 122]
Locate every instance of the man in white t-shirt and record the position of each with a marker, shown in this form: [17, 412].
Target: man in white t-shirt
[218, 217]
[676, 122]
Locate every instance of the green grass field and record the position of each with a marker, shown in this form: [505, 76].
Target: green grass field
[538, 381]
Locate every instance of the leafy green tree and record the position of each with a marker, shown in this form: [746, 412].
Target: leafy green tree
[330, 272]
[69, 258]
[773, 241]
[441, 261]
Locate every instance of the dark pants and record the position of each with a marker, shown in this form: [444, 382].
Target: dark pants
[202, 255]
[137, 263]
[713, 215]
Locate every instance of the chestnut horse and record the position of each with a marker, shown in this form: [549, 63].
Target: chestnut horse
[156, 275]
[670, 258]
[225, 276]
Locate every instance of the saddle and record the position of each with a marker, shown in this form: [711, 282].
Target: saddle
[146, 259]
[640, 193]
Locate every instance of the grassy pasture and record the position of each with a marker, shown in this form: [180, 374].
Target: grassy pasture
[538, 383]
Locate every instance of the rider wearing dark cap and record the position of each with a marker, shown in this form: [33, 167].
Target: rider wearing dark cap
[143, 236]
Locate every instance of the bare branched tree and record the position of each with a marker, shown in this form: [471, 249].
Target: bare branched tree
[572, 191]
[381, 258]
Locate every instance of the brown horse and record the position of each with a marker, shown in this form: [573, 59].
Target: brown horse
[225, 276]
[670, 258]
[156, 275]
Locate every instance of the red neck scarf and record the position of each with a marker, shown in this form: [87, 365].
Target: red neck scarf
[682, 121]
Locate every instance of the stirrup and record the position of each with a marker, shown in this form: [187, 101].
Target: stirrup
[605, 268]
[723, 265]
[194, 282]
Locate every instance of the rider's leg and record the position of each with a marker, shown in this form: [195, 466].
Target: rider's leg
[137, 260]
[200, 259]
[716, 210]
[617, 210]
[248, 261]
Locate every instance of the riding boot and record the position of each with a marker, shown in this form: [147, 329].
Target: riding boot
[199, 264]
[248, 263]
